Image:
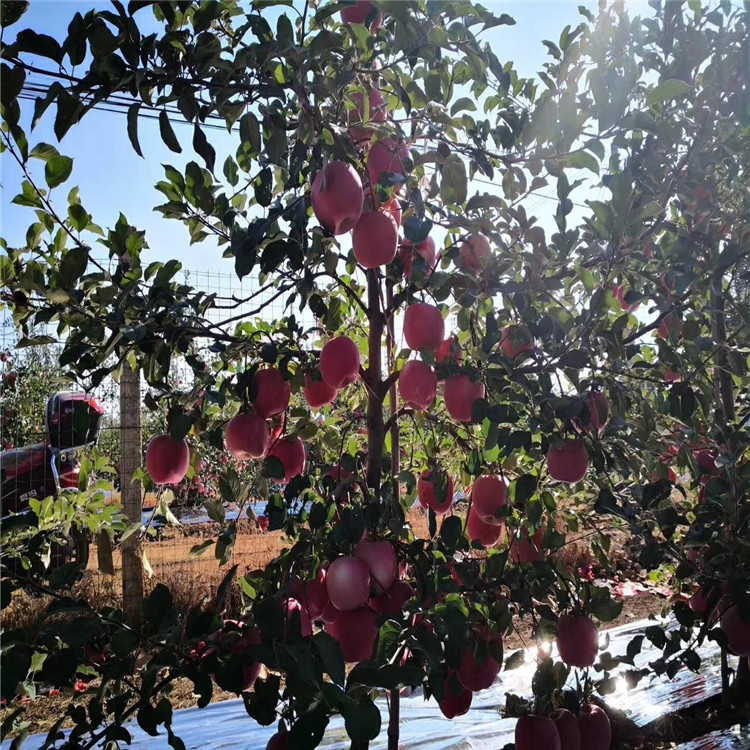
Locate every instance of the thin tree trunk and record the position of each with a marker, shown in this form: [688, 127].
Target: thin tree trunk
[131, 492]
[395, 695]
[375, 422]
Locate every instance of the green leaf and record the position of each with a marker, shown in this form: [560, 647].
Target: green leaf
[10, 12]
[43, 151]
[133, 110]
[331, 656]
[39, 44]
[78, 217]
[167, 134]
[582, 160]
[363, 723]
[57, 170]
[666, 90]
[463, 104]
[453, 183]
[203, 148]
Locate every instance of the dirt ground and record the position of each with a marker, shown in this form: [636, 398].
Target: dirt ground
[190, 580]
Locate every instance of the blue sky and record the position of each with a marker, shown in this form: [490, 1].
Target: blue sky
[113, 179]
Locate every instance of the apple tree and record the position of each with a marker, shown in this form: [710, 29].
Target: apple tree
[365, 136]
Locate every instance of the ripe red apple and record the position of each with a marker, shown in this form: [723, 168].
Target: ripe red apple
[291, 453]
[568, 461]
[358, 116]
[598, 406]
[339, 362]
[417, 384]
[390, 206]
[698, 602]
[567, 728]
[277, 741]
[671, 376]
[535, 733]
[577, 640]
[460, 394]
[380, 558]
[386, 157]
[272, 392]
[318, 393]
[348, 583]
[596, 731]
[428, 497]
[425, 250]
[10, 378]
[263, 523]
[486, 534]
[356, 631]
[375, 239]
[477, 671]
[360, 12]
[391, 603]
[424, 327]
[516, 340]
[457, 700]
[247, 436]
[487, 497]
[249, 637]
[167, 460]
[337, 197]
[312, 595]
[706, 460]
[524, 549]
[449, 351]
[619, 291]
[736, 630]
[293, 609]
[475, 253]
[670, 327]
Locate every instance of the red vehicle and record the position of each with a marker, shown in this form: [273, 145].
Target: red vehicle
[72, 422]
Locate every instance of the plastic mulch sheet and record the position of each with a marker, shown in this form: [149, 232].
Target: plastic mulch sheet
[225, 726]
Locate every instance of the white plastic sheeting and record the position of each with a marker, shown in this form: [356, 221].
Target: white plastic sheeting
[226, 726]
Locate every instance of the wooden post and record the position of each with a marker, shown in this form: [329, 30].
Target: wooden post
[131, 492]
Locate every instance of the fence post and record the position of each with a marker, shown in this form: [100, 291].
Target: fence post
[131, 491]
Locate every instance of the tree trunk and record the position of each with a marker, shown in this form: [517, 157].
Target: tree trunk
[131, 492]
[374, 381]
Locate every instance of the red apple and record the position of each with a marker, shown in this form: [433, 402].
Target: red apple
[360, 12]
[375, 239]
[486, 534]
[698, 602]
[460, 394]
[428, 496]
[356, 631]
[457, 700]
[263, 523]
[391, 603]
[475, 253]
[424, 327]
[577, 640]
[247, 436]
[568, 461]
[358, 116]
[417, 384]
[670, 327]
[339, 362]
[620, 292]
[596, 731]
[380, 558]
[671, 376]
[487, 497]
[291, 453]
[167, 460]
[425, 250]
[386, 157]
[567, 728]
[524, 549]
[312, 595]
[318, 393]
[277, 742]
[598, 406]
[516, 340]
[449, 351]
[272, 392]
[706, 460]
[736, 630]
[536, 733]
[348, 583]
[293, 609]
[478, 669]
[337, 197]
